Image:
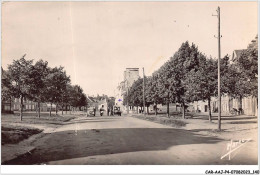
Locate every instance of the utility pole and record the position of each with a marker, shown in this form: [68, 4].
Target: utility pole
[219, 92]
[143, 91]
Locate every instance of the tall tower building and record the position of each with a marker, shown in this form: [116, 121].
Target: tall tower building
[130, 76]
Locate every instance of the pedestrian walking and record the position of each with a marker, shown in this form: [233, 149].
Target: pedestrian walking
[102, 110]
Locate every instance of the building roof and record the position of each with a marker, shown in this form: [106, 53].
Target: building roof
[237, 54]
[134, 69]
[103, 101]
[91, 99]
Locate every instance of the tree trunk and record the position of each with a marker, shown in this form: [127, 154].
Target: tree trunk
[209, 109]
[176, 107]
[66, 108]
[10, 105]
[50, 109]
[147, 110]
[56, 109]
[240, 105]
[156, 109]
[62, 109]
[168, 108]
[21, 109]
[183, 110]
[39, 110]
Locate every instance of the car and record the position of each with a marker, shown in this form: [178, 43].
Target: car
[117, 110]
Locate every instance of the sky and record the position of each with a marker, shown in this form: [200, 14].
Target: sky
[96, 41]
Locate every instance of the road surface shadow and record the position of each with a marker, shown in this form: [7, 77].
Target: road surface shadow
[83, 143]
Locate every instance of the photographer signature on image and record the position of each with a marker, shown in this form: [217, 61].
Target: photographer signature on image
[233, 145]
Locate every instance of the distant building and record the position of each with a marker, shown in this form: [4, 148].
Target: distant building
[102, 102]
[13, 104]
[32, 106]
[130, 76]
[92, 102]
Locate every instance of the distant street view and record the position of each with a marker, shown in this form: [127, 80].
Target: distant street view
[94, 85]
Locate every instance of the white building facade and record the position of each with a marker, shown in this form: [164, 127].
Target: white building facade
[130, 76]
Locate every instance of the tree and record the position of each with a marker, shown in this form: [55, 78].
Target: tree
[240, 79]
[19, 80]
[56, 83]
[165, 85]
[5, 89]
[202, 84]
[82, 101]
[135, 94]
[68, 96]
[37, 75]
[186, 59]
[248, 69]
[152, 92]
[78, 98]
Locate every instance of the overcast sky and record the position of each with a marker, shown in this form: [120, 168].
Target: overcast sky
[96, 41]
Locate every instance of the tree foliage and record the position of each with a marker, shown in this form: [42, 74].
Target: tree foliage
[40, 83]
[190, 76]
[19, 80]
[37, 78]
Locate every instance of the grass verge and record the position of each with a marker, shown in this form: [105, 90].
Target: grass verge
[31, 118]
[177, 123]
[14, 134]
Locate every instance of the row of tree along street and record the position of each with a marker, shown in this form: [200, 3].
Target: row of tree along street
[190, 76]
[41, 84]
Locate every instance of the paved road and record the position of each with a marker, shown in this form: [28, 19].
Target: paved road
[127, 140]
